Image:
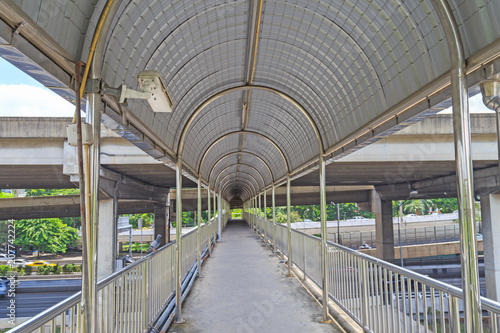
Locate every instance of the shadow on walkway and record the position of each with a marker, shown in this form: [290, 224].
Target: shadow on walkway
[243, 289]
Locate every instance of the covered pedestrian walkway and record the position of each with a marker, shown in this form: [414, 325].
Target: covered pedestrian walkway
[240, 98]
[244, 288]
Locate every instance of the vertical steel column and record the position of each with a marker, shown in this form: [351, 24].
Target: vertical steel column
[178, 240]
[254, 212]
[198, 235]
[462, 139]
[260, 207]
[209, 208]
[265, 217]
[324, 255]
[288, 222]
[215, 205]
[208, 224]
[274, 222]
[338, 224]
[89, 279]
[220, 217]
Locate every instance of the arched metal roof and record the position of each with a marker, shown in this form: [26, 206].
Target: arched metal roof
[343, 65]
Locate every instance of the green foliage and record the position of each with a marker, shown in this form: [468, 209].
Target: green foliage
[21, 272]
[236, 213]
[5, 195]
[50, 192]
[57, 269]
[42, 270]
[77, 268]
[28, 270]
[147, 220]
[4, 232]
[45, 235]
[313, 212]
[68, 268]
[4, 269]
[281, 216]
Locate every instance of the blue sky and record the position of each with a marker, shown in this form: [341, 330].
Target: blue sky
[23, 96]
[12, 75]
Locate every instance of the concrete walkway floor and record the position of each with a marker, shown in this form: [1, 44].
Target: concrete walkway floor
[244, 288]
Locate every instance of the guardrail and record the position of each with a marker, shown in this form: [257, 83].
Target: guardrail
[131, 299]
[439, 233]
[379, 296]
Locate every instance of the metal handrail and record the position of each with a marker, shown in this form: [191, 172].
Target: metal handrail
[53, 312]
[361, 287]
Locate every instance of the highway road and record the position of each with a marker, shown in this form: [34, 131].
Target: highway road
[35, 296]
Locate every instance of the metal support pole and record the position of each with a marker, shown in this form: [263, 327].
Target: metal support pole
[198, 235]
[288, 222]
[89, 280]
[215, 205]
[260, 207]
[399, 232]
[220, 217]
[274, 221]
[265, 217]
[209, 225]
[462, 139]
[324, 254]
[338, 224]
[209, 208]
[178, 240]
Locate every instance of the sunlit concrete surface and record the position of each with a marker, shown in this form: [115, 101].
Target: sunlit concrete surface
[244, 288]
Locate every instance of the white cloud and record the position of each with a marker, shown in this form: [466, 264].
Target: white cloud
[28, 101]
[476, 105]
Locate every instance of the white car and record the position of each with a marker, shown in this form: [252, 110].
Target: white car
[411, 215]
[20, 262]
[4, 257]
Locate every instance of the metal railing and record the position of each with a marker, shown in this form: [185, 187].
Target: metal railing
[379, 296]
[440, 233]
[131, 299]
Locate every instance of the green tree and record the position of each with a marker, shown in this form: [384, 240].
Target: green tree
[45, 235]
[419, 206]
[50, 192]
[5, 195]
[4, 233]
[147, 220]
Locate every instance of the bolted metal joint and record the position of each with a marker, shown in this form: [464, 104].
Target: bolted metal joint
[93, 86]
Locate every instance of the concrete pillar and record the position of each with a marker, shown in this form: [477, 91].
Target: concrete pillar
[384, 232]
[490, 214]
[161, 223]
[105, 240]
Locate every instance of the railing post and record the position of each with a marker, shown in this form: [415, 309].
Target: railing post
[178, 241]
[260, 215]
[288, 221]
[209, 223]
[324, 256]
[198, 235]
[274, 221]
[265, 217]
[220, 217]
[364, 293]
